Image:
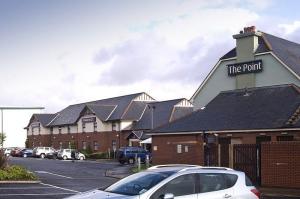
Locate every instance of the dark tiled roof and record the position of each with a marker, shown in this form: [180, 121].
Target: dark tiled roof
[261, 108]
[135, 111]
[68, 115]
[162, 114]
[102, 111]
[71, 114]
[286, 51]
[45, 118]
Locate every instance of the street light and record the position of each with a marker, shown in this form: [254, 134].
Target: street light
[13, 108]
[152, 107]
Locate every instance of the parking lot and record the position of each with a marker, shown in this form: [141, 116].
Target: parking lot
[58, 178]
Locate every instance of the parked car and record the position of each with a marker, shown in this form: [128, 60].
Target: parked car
[52, 155]
[179, 181]
[15, 152]
[25, 153]
[42, 151]
[128, 154]
[66, 154]
[7, 151]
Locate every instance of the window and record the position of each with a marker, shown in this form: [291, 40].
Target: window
[181, 186]
[216, 181]
[39, 130]
[83, 127]
[114, 126]
[69, 130]
[114, 144]
[285, 138]
[186, 149]
[51, 130]
[84, 145]
[59, 130]
[60, 145]
[95, 126]
[179, 148]
[96, 146]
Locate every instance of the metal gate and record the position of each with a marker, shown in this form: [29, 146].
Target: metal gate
[246, 158]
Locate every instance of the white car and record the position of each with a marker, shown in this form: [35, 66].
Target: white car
[179, 182]
[42, 151]
[7, 152]
[66, 154]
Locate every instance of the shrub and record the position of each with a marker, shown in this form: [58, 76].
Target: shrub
[3, 160]
[16, 173]
[98, 155]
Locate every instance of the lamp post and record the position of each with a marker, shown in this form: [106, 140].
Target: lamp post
[152, 107]
[13, 108]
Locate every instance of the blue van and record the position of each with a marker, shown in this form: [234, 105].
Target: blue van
[128, 154]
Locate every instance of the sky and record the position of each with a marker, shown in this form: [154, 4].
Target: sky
[54, 53]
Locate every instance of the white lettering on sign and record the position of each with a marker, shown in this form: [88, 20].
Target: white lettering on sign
[244, 68]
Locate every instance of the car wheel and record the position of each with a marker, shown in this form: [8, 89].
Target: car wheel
[65, 157]
[131, 161]
[24, 155]
[81, 158]
[122, 162]
[42, 156]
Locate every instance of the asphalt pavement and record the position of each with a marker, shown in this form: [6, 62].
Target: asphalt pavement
[59, 178]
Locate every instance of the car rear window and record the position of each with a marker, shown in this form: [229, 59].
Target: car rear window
[248, 182]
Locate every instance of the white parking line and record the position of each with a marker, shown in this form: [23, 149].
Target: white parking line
[8, 188]
[53, 174]
[36, 194]
[60, 188]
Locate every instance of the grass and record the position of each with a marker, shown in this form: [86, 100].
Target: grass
[136, 169]
[16, 173]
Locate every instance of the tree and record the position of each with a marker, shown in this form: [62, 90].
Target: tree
[2, 138]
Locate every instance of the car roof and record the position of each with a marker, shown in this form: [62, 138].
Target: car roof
[191, 169]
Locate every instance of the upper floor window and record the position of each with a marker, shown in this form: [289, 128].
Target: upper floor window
[51, 130]
[59, 130]
[83, 127]
[95, 126]
[114, 126]
[69, 129]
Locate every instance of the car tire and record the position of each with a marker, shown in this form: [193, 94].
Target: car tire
[42, 155]
[65, 157]
[81, 158]
[24, 155]
[131, 161]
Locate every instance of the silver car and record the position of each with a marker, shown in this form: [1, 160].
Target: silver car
[66, 154]
[179, 182]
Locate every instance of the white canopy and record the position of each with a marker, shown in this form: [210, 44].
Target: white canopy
[147, 141]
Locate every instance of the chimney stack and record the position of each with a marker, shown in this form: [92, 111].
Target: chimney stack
[246, 43]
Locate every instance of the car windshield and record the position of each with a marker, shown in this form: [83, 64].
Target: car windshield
[138, 183]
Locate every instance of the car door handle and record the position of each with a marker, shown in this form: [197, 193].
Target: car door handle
[227, 196]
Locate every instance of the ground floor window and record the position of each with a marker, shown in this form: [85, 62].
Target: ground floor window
[179, 148]
[96, 146]
[84, 145]
[285, 138]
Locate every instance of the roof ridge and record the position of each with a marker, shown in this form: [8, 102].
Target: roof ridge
[168, 100]
[261, 87]
[90, 102]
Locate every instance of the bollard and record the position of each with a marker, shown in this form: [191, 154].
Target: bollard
[147, 161]
[139, 163]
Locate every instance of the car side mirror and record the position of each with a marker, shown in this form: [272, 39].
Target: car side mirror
[169, 196]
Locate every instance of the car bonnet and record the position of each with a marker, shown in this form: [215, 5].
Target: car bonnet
[97, 194]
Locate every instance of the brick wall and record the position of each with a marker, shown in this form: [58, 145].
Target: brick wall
[38, 140]
[166, 149]
[280, 164]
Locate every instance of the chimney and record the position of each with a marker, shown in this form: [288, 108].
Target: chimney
[246, 43]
